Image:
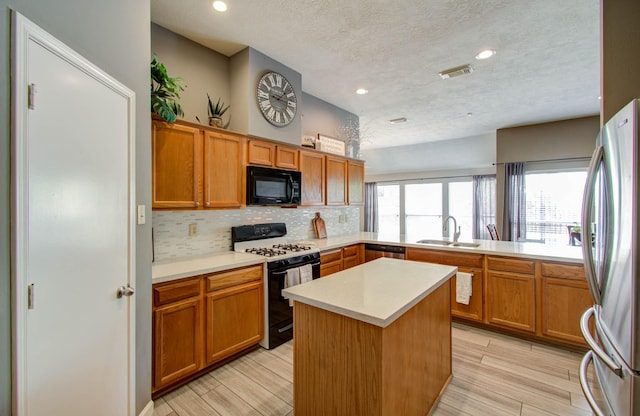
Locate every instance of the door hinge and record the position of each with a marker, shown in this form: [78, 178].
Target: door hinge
[32, 97]
[30, 290]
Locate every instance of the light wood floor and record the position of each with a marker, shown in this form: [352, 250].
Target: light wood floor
[492, 375]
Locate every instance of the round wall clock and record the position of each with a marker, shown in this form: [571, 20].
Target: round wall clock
[277, 99]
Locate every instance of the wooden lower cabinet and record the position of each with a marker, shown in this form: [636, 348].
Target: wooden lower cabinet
[202, 320]
[469, 263]
[511, 300]
[177, 341]
[564, 298]
[335, 260]
[234, 320]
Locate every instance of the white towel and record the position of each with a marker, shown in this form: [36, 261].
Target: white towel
[463, 287]
[291, 279]
[306, 273]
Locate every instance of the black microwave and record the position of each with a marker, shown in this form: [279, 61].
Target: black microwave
[267, 186]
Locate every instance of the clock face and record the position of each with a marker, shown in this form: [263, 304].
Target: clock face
[277, 99]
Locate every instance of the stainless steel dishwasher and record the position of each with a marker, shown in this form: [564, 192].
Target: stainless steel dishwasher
[374, 251]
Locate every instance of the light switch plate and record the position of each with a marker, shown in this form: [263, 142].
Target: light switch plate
[193, 229]
[142, 215]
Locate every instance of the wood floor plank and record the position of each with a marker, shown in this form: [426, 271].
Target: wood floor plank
[227, 403]
[560, 383]
[161, 408]
[204, 384]
[271, 381]
[274, 363]
[251, 392]
[185, 401]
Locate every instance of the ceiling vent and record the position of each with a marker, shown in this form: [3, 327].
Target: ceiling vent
[456, 72]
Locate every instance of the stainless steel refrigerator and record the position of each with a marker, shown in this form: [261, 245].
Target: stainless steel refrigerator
[610, 232]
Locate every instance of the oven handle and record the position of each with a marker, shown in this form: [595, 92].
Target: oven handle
[284, 271]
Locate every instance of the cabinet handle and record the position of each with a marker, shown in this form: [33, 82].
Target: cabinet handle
[197, 204]
[207, 204]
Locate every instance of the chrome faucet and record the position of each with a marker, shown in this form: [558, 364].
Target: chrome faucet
[456, 234]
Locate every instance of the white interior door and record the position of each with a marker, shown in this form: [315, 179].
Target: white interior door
[73, 232]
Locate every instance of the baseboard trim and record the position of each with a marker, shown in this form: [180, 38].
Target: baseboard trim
[148, 409]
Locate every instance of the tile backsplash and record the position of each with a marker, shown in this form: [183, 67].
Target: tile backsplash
[171, 228]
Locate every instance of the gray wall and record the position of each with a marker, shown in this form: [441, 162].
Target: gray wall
[568, 139]
[114, 35]
[204, 71]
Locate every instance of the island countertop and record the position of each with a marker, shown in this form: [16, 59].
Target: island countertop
[377, 292]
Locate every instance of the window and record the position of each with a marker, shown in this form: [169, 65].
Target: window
[417, 210]
[423, 208]
[389, 210]
[554, 204]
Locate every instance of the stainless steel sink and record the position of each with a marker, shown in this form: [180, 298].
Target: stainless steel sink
[459, 244]
[437, 242]
[448, 243]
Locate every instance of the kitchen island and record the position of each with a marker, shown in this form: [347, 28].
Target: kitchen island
[372, 340]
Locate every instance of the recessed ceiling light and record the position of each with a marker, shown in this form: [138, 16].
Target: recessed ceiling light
[469, 114]
[361, 91]
[398, 120]
[485, 54]
[220, 6]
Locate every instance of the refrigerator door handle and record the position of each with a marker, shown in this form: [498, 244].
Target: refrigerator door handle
[587, 212]
[602, 355]
[584, 383]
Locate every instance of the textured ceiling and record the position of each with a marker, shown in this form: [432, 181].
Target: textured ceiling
[546, 67]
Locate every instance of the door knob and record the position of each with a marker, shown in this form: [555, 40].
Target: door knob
[125, 291]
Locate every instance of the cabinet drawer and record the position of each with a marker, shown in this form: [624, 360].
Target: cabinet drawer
[330, 256]
[563, 270]
[233, 277]
[174, 291]
[444, 257]
[510, 265]
[330, 268]
[350, 251]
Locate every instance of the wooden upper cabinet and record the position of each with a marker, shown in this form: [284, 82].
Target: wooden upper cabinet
[176, 165]
[286, 157]
[336, 181]
[223, 171]
[261, 153]
[313, 177]
[355, 175]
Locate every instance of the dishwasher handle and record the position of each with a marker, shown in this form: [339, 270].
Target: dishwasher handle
[384, 248]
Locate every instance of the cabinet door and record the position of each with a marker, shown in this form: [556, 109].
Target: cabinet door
[286, 157]
[356, 182]
[563, 303]
[176, 166]
[350, 256]
[234, 320]
[177, 341]
[223, 173]
[336, 181]
[313, 178]
[474, 309]
[511, 300]
[261, 153]
[330, 262]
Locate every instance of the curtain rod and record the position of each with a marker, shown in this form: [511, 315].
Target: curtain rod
[566, 159]
[433, 177]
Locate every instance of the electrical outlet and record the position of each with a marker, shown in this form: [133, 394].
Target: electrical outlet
[342, 219]
[193, 229]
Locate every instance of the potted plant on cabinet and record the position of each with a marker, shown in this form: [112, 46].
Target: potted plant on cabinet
[165, 92]
[215, 113]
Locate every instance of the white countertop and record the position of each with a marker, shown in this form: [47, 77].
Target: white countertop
[171, 269]
[538, 251]
[377, 292]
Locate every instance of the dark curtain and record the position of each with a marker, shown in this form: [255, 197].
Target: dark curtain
[371, 207]
[514, 214]
[484, 205]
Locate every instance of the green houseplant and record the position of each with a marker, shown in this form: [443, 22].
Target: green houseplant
[165, 91]
[215, 113]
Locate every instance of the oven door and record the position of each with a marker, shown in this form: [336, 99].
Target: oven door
[280, 313]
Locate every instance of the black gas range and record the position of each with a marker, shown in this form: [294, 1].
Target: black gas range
[270, 240]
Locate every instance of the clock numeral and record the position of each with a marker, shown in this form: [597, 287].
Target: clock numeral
[291, 94]
[271, 112]
[287, 86]
[266, 104]
[290, 112]
[292, 104]
[263, 95]
[278, 117]
[272, 80]
[279, 80]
